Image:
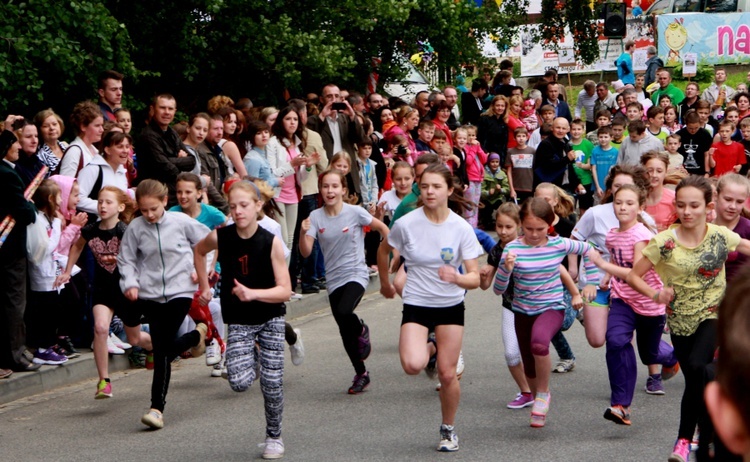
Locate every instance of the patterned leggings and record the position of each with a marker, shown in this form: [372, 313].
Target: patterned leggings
[242, 357]
[473, 193]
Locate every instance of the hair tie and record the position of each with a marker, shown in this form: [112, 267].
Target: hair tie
[255, 187]
[551, 231]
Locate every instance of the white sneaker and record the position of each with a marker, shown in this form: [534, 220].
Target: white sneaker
[216, 371]
[119, 343]
[298, 349]
[112, 348]
[213, 353]
[448, 439]
[460, 365]
[295, 296]
[274, 448]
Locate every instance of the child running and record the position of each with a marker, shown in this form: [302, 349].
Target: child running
[104, 239]
[338, 229]
[507, 223]
[732, 192]
[189, 191]
[157, 274]
[533, 260]
[434, 242]
[630, 311]
[256, 284]
[690, 257]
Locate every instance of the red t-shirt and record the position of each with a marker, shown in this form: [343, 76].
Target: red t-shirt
[513, 123]
[727, 156]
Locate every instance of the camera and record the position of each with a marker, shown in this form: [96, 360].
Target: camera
[401, 150]
[18, 124]
[338, 106]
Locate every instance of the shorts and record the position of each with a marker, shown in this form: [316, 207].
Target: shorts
[431, 317]
[114, 300]
[602, 298]
[129, 312]
[586, 200]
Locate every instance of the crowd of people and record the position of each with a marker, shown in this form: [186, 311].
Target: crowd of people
[189, 239]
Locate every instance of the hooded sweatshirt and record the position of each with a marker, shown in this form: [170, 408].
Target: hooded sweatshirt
[70, 232]
[630, 152]
[157, 258]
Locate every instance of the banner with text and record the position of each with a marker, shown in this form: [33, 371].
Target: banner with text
[717, 38]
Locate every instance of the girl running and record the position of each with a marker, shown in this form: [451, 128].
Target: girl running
[690, 257]
[732, 192]
[660, 200]
[189, 191]
[338, 228]
[434, 242]
[507, 223]
[533, 260]
[630, 311]
[256, 284]
[104, 238]
[157, 274]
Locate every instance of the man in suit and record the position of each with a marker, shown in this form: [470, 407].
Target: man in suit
[339, 130]
[471, 103]
[553, 99]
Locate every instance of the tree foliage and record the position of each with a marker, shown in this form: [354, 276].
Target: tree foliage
[575, 16]
[257, 48]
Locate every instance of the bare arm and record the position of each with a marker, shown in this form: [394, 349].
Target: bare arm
[200, 251]
[386, 288]
[305, 242]
[233, 153]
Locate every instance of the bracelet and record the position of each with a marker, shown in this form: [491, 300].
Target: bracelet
[656, 295]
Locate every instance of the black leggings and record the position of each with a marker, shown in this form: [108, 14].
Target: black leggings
[694, 352]
[343, 302]
[164, 321]
[42, 318]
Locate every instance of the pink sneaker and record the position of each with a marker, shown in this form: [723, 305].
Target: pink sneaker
[522, 400]
[681, 452]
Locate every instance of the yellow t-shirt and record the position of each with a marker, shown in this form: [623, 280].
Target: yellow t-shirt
[695, 273]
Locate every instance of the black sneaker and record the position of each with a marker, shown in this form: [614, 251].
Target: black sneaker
[310, 290]
[66, 343]
[321, 283]
[359, 383]
[61, 350]
[364, 341]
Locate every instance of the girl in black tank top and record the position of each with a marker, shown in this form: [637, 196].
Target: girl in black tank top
[255, 285]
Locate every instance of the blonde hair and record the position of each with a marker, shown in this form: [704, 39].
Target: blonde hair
[218, 102]
[246, 186]
[47, 189]
[513, 99]
[565, 203]
[151, 188]
[342, 155]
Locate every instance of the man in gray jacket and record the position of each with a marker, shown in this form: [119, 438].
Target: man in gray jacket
[638, 143]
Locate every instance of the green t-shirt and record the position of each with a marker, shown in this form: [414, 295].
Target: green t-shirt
[674, 93]
[696, 274]
[583, 155]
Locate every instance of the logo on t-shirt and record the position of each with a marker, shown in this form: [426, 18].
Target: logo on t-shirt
[322, 230]
[447, 255]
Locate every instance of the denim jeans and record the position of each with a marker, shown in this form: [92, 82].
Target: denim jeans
[297, 263]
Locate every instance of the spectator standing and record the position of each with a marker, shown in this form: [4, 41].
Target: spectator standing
[586, 101]
[653, 64]
[624, 64]
[472, 104]
[88, 123]
[110, 93]
[667, 88]
[50, 127]
[554, 100]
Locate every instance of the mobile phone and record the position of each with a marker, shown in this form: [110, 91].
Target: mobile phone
[18, 124]
[401, 150]
[338, 107]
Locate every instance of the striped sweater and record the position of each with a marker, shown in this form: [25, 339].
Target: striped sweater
[536, 274]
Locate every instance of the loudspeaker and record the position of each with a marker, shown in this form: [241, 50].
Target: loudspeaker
[614, 20]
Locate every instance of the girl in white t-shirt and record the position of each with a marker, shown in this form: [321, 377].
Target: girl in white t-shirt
[338, 228]
[434, 242]
[402, 176]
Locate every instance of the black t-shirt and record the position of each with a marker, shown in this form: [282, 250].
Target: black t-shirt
[693, 148]
[249, 262]
[564, 227]
[105, 242]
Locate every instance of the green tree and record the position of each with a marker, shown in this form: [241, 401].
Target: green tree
[53, 50]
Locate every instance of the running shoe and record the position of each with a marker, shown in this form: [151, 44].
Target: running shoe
[321, 284]
[213, 353]
[200, 348]
[540, 409]
[112, 348]
[448, 439]
[49, 357]
[137, 358]
[360, 383]
[216, 370]
[67, 344]
[295, 296]
[654, 385]
[61, 350]
[618, 414]
[564, 365]
[153, 419]
[364, 341]
[667, 372]
[273, 448]
[522, 400]
[297, 349]
[431, 367]
[681, 451]
[103, 390]
[119, 343]
[696, 439]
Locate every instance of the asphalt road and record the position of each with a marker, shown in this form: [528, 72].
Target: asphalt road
[396, 419]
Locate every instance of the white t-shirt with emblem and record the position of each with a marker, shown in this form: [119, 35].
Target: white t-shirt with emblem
[426, 246]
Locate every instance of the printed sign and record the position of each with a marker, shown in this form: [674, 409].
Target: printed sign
[715, 38]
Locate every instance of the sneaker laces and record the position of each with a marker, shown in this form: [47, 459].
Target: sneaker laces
[271, 443]
[446, 432]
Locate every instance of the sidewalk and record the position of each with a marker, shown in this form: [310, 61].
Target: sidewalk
[25, 384]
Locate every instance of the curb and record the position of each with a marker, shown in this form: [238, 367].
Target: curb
[24, 384]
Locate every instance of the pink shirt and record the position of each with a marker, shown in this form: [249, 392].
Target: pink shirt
[475, 160]
[621, 247]
[663, 213]
[288, 193]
